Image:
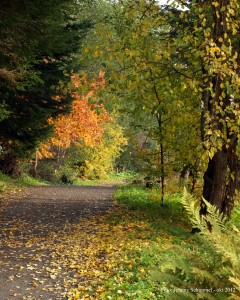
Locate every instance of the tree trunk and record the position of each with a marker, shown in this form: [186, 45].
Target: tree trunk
[161, 138]
[9, 165]
[162, 174]
[220, 180]
[36, 161]
[218, 116]
[162, 160]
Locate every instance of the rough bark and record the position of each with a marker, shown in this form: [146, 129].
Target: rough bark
[221, 176]
[220, 180]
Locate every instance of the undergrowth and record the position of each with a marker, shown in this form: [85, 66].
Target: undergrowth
[112, 178]
[216, 277]
[11, 185]
[137, 235]
[156, 257]
[142, 250]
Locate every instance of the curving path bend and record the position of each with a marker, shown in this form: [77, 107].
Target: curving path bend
[31, 230]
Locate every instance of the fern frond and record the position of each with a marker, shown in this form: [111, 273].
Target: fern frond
[224, 237]
[236, 281]
[204, 276]
[205, 296]
[192, 207]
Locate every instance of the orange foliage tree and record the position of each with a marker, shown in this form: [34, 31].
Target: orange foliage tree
[84, 124]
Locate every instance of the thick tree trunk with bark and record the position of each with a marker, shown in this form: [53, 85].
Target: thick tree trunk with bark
[220, 180]
[221, 176]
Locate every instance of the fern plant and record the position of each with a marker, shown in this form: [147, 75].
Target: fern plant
[209, 269]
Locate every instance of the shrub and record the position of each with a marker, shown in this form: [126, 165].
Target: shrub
[211, 271]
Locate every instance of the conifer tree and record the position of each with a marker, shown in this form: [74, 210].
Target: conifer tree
[38, 40]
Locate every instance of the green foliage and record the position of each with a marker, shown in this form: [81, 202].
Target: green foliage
[113, 178]
[66, 175]
[85, 162]
[27, 180]
[137, 197]
[212, 270]
[151, 229]
[4, 113]
[96, 162]
[9, 185]
[221, 230]
[125, 176]
[134, 197]
[159, 109]
[169, 91]
[37, 53]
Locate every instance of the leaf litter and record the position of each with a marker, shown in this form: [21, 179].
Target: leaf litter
[62, 253]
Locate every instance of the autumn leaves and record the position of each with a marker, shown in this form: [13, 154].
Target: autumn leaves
[84, 124]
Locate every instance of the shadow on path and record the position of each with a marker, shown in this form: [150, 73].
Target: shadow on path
[38, 219]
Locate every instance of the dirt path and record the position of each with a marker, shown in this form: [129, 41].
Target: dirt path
[33, 232]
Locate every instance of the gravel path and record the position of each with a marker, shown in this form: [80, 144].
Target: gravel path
[37, 219]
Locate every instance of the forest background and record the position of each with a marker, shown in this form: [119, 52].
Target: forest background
[89, 89]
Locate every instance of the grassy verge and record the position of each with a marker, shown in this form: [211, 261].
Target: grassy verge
[120, 256]
[156, 235]
[112, 178]
[9, 185]
[132, 242]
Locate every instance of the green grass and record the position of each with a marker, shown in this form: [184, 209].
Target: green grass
[148, 201]
[236, 215]
[27, 180]
[160, 235]
[149, 235]
[8, 184]
[112, 178]
[159, 232]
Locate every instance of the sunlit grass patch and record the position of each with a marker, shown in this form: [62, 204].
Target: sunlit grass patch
[112, 178]
[130, 242]
[27, 180]
[112, 258]
[9, 184]
[2, 186]
[149, 203]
